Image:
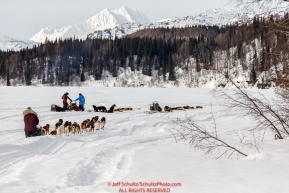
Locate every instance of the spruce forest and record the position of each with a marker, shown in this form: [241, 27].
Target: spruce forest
[256, 47]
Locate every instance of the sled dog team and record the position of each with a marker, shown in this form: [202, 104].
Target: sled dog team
[31, 120]
[73, 128]
[32, 128]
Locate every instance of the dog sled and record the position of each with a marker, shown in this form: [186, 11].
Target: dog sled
[71, 107]
[40, 131]
[154, 108]
[56, 108]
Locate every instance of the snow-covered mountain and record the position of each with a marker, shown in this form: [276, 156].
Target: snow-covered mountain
[103, 20]
[124, 21]
[210, 17]
[9, 43]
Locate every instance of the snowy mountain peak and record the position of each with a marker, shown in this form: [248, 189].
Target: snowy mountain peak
[209, 17]
[9, 43]
[132, 15]
[103, 20]
[216, 11]
[48, 30]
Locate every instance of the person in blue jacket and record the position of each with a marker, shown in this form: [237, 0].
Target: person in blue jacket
[81, 101]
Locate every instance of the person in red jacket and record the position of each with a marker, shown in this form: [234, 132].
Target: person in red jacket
[30, 122]
[64, 99]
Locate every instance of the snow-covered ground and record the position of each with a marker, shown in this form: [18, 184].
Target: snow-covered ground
[134, 147]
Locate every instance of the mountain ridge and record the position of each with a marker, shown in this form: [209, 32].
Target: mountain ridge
[16, 44]
[103, 20]
[209, 17]
[123, 21]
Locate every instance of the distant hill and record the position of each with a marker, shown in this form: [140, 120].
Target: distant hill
[9, 43]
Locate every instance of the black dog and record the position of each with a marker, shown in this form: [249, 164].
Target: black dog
[111, 109]
[59, 122]
[99, 109]
[102, 123]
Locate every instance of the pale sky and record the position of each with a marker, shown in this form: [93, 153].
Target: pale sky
[24, 18]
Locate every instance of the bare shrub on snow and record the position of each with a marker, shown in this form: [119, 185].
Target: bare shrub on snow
[203, 139]
[266, 115]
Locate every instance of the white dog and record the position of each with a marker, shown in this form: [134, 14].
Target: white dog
[99, 124]
[60, 130]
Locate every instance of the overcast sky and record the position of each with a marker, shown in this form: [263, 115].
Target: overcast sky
[24, 18]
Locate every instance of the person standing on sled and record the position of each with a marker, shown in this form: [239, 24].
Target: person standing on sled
[64, 99]
[81, 101]
[30, 122]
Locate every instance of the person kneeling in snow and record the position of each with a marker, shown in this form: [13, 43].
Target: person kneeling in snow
[81, 101]
[30, 122]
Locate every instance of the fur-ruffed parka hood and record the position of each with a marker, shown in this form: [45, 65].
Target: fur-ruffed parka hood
[29, 111]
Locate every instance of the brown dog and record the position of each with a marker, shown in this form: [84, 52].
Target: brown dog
[75, 128]
[45, 130]
[53, 132]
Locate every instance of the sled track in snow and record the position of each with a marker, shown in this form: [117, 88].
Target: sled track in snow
[11, 135]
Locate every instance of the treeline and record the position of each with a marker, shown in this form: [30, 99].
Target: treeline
[61, 62]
